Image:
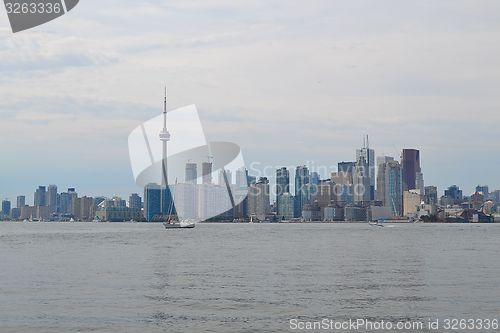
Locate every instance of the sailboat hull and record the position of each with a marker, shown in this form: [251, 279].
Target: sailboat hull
[178, 226]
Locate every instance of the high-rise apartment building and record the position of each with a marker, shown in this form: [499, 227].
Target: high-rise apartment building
[52, 198]
[40, 196]
[390, 187]
[258, 199]
[21, 201]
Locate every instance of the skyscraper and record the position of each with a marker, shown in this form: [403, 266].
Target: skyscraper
[361, 181]
[191, 173]
[431, 195]
[258, 199]
[302, 179]
[21, 201]
[242, 178]
[206, 170]
[286, 206]
[135, 201]
[6, 205]
[40, 196]
[152, 201]
[282, 184]
[390, 187]
[369, 157]
[412, 173]
[52, 198]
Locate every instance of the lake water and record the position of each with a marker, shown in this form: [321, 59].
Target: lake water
[128, 277]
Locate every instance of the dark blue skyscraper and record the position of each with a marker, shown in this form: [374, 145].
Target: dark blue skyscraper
[6, 208]
[152, 203]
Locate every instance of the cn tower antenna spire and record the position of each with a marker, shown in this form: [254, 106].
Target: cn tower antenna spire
[165, 110]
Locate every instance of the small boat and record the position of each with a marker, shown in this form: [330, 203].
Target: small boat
[183, 224]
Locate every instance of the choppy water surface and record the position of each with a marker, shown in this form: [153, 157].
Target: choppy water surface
[241, 278]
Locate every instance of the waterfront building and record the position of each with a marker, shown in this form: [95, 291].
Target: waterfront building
[311, 212]
[333, 213]
[109, 212]
[355, 213]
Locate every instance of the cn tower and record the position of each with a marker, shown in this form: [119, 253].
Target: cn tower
[164, 137]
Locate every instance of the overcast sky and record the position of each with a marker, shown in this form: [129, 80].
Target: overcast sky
[289, 81]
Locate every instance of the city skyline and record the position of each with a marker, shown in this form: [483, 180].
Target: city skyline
[285, 87]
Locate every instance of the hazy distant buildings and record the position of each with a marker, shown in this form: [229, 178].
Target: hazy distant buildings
[206, 169]
[485, 190]
[242, 178]
[191, 173]
[223, 175]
